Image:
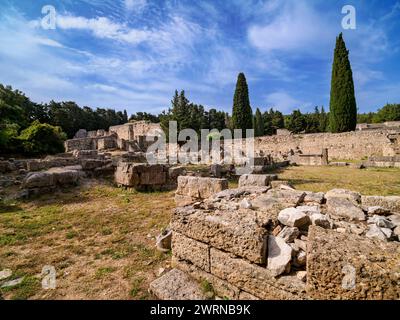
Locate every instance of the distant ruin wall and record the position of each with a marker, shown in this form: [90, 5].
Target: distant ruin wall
[349, 145]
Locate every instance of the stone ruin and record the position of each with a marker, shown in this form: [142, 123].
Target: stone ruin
[270, 241]
[128, 137]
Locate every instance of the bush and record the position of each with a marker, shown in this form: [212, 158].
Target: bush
[8, 133]
[42, 138]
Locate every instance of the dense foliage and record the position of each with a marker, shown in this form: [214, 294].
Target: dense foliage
[343, 108]
[242, 115]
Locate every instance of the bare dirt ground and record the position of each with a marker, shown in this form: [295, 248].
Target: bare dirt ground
[101, 239]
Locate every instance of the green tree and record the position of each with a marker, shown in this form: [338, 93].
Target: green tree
[42, 138]
[242, 117]
[258, 124]
[296, 122]
[323, 120]
[390, 112]
[343, 108]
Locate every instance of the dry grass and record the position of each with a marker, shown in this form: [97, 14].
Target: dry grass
[371, 181]
[99, 238]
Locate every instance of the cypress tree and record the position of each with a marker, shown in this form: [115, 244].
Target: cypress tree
[343, 108]
[258, 124]
[242, 115]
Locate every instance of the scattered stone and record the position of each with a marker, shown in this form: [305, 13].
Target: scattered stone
[309, 210]
[259, 180]
[301, 244]
[341, 230]
[344, 208]
[300, 259]
[302, 275]
[352, 196]
[376, 232]
[381, 222]
[293, 197]
[216, 170]
[395, 219]
[391, 203]
[161, 271]
[289, 234]
[276, 230]
[292, 217]
[163, 241]
[321, 220]
[245, 204]
[279, 256]
[280, 184]
[12, 283]
[4, 274]
[388, 232]
[377, 210]
[314, 197]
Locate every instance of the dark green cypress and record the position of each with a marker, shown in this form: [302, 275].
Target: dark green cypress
[258, 124]
[343, 108]
[242, 115]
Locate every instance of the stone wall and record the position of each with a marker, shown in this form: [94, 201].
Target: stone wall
[348, 145]
[258, 242]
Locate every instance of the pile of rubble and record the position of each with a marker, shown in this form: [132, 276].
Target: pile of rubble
[275, 242]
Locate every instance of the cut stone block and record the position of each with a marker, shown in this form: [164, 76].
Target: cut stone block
[254, 279]
[221, 287]
[343, 208]
[234, 231]
[176, 285]
[191, 250]
[257, 180]
[391, 203]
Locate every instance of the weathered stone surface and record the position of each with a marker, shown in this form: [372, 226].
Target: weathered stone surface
[314, 197]
[164, 240]
[352, 196]
[279, 256]
[321, 220]
[381, 222]
[221, 287]
[330, 255]
[4, 274]
[391, 203]
[289, 196]
[300, 259]
[140, 175]
[175, 172]
[245, 204]
[258, 180]
[50, 178]
[345, 209]
[233, 231]
[254, 279]
[229, 194]
[191, 189]
[176, 285]
[395, 219]
[281, 184]
[12, 283]
[216, 170]
[377, 210]
[289, 234]
[301, 244]
[191, 250]
[301, 275]
[293, 217]
[243, 295]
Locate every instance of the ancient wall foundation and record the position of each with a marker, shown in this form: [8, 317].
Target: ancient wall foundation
[348, 145]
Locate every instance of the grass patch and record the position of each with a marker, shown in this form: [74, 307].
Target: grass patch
[370, 181]
[27, 288]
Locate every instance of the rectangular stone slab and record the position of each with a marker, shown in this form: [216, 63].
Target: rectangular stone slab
[254, 279]
[348, 266]
[191, 250]
[233, 231]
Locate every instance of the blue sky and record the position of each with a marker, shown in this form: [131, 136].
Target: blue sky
[133, 54]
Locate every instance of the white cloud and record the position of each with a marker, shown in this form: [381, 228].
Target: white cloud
[290, 26]
[137, 6]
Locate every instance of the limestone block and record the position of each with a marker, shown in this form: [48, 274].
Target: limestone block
[254, 279]
[348, 266]
[391, 203]
[191, 250]
[234, 231]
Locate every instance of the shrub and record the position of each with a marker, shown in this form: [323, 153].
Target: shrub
[42, 138]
